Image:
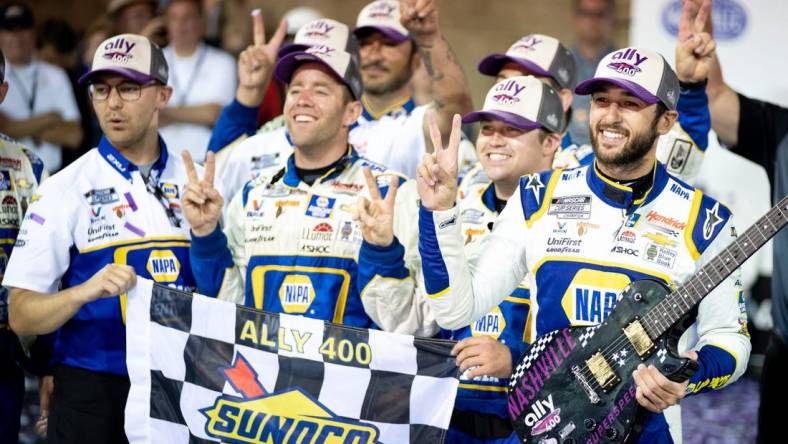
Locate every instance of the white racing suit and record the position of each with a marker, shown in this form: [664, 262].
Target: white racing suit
[581, 239]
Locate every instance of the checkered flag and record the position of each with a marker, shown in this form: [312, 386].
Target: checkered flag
[204, 370]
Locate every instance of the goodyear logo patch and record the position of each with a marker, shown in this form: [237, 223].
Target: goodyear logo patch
[592, 295]
[286, 416]
[163, 266]
[296, 293]
[491, 324]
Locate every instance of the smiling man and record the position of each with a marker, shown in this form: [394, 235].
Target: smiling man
[582, 235]
[520, 130]
[290, 244]
[111, 215]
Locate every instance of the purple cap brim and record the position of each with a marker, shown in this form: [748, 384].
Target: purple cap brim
[288, 48]
[391, 33]
[587, 87]
[492, 64]
[132, 75]
[504, 116]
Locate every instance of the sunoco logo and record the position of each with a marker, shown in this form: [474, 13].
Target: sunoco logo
[728, 16]
[286, 416]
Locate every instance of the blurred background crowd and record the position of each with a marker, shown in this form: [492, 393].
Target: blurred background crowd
[49, 44]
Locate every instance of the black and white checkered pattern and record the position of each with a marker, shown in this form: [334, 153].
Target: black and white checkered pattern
[533, 352]
[178, 345]
[587, 334]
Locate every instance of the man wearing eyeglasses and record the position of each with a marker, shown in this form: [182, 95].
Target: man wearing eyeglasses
[109, 216]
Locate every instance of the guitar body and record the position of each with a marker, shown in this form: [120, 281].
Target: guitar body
[575, 385]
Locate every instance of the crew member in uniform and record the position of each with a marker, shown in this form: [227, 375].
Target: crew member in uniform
[21, 172]
[110, 216]
[520, 131]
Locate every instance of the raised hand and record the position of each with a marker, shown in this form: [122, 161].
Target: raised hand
[256, 62]
[419, 17]
[110, 281]
[695, 47]
[436, 176]
[202, 204]
[375, 217]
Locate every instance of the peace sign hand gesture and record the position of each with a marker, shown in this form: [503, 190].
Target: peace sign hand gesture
[695, 47]
[256, 62]
[436, 176]
[202, 204]
[375, 217]
[419, 17]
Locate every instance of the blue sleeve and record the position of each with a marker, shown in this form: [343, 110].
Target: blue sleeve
[211, 260]
[388, 262]
[715, 368]
[235, 121]
[694, 116]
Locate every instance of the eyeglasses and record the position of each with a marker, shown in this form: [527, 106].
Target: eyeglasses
[128, 91]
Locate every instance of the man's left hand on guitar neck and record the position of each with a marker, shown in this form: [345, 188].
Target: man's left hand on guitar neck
[656, 392]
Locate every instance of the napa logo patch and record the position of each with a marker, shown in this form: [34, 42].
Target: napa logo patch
[296, 293]
[285, 416]
[491, 324]
[592, 295]
[320, 206]
[170, 190]
[163, 266]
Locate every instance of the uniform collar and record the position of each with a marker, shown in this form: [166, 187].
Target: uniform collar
[488, 197]
[402, 108]
[290, 176]
[620, 196]
[122, 165]
[566, 141]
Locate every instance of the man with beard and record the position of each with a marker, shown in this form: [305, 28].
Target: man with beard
[290, 244]
[395, 37]
[582, 235]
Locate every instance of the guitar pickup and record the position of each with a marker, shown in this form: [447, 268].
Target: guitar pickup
[639, 338]
[602, 371]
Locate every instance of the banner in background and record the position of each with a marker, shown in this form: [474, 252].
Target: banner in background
[205, 370]
[750, 38]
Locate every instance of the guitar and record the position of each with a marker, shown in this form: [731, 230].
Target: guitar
[574, 385]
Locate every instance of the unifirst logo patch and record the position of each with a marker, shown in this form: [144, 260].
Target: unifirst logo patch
[296, 293]
[286, 416]
[592, 295]
[163, 266]
[491, 324]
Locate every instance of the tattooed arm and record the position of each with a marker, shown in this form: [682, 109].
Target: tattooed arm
[450, 93]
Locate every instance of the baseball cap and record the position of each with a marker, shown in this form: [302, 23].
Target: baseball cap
[538, 53]
[323, 32]
[339, 62]
[129, 55]
[382, 16]
[642, 72]
[16, 16]
[523, 102]
[114, 6]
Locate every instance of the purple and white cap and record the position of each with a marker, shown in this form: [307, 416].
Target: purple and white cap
[539, 54]
[129, 55]
[642, 72]
[338, 61]
[523, 102]
[323, 32]
[382, 16]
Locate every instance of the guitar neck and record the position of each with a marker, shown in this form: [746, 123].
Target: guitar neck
[665, 314]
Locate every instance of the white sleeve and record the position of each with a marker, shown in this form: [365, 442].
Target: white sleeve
[41, 254]
[460, 290]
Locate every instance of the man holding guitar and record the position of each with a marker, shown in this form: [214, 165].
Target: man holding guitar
[585, 235]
